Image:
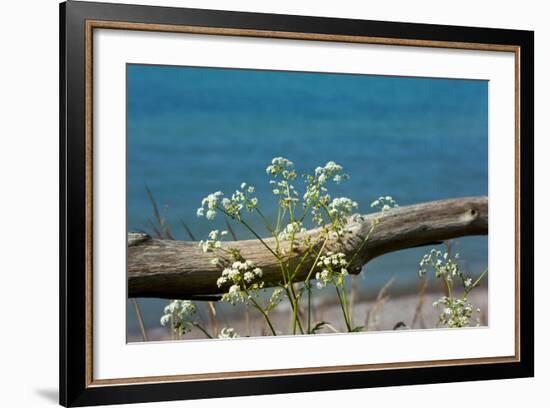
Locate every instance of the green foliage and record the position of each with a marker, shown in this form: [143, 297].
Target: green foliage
[241, 280]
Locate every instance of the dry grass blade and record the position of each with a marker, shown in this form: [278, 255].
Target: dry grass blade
[161, 229]
[247, 319]
[168, 233]
[332, 328]
[213, 319]
[353, 296]
[418, 317]
[188, 231]
[140, 319]
[231, 230]
[381, 298]
[155, 229]
[156, 211]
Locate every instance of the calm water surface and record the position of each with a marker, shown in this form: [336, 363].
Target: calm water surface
[192, 131]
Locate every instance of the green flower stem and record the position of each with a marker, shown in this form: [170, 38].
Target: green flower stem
[290, 248]
[261, 310]
[278, 225]
[306, 209]
[474, 285]
[140, 319]
[449, 288]
[308, 277]
[346, 307]
[363, 243]
[479, 278]
[268, 226]
[290, 211]
[306, 255]
[343, 308]
[294, 304]
[198, 326]
[308, 308]
[294, 318]
[248, 227]
[324, 206]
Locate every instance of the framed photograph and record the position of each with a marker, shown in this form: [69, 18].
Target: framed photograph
[256, 203]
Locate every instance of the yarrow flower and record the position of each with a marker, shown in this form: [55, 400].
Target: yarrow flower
[331, 170]
[240, 199]
[332, 269]
[291, 230]
[316, 196]
[341, 208]
[213, 242]
[281, 167]
[444, 265]
[275, 299]
[282, 170]
[457, 312]
[227, 333]
[384, 203]
[244, 277]
[179, 313]
[210, 204]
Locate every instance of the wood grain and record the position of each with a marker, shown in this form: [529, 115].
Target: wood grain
[179, 269]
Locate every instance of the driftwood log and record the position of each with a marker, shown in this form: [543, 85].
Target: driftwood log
[180, 270]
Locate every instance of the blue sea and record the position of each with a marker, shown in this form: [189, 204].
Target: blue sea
[193, 131]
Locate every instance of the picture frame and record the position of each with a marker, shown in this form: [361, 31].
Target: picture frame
[79, 345]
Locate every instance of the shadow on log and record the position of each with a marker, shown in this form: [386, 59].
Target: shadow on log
[180, 270]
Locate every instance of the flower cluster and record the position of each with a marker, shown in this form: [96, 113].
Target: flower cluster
[240, 279]
[384, 204]
[275, 299]
[240, 199]
[284, 174]
[445, 266]
[281, 167]
[179, 313]
[457, 312]
[332, 269]
[291, 230]
[231, 206]
[316, 196]
[210, 204]
[331, 171]
[339, 211]
[213, 241]
[243, 277]
[227, 333]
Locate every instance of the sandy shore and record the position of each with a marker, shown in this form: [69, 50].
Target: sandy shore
[405, 311]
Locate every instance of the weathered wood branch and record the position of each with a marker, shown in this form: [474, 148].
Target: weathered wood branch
[179, 269]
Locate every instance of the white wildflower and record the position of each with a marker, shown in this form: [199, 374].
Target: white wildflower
[243, 277]
[333, 269]
[210, 204]
[384, 203]
[179, 312]
[213, 241]
[227, 333]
